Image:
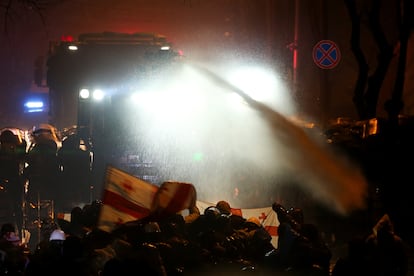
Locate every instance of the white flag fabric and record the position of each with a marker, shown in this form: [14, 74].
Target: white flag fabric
[128, 198]
[125, 198]
[173, 197]
[266, 216]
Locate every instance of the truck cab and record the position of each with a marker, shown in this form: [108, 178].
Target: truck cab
[90, 81]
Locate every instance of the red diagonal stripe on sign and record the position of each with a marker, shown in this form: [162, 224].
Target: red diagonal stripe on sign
[327, 54]
[123, 205]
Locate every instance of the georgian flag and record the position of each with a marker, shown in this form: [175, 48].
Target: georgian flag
[266, 216]
[125, 198]
[128, 198]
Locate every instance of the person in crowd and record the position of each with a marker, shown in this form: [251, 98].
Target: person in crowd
[59, 254]
[218, 242]
[381, 252]
[12, 156]
[288, 236]
[122, 258]
[311, 252]
[237, 221]
[43, 169]
[74, 227]
[300, 245]
[13, 253]
[134, 248]
[355, 261]
[76, 162]
[193, 214]
[202, 234]
[47, 258]
[259, 241]
[386, 250]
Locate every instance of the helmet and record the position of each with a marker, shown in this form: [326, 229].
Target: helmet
[12, 237]
[255, 221]
[152, 227]
[57, 235]
[212, 212]
[296, 214]
[224, 207]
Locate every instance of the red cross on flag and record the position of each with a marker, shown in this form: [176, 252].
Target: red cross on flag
[125, 198]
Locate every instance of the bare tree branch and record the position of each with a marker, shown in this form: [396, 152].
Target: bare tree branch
[7, 14]
[11, 9]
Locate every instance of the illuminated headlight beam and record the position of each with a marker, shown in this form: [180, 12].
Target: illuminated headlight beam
[73, 47]
[98, 94]
[84, 93]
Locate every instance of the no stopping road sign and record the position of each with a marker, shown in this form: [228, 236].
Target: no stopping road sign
[326, 54]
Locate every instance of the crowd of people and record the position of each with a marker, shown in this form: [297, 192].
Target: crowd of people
[40, 168]
[212, 242]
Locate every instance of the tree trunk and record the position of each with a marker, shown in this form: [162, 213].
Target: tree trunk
[384, 58]
[395, 104]
[363, 68]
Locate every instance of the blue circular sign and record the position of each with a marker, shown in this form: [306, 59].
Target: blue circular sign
[326, 54]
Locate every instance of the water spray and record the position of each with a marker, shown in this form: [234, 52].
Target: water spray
[331, 179]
